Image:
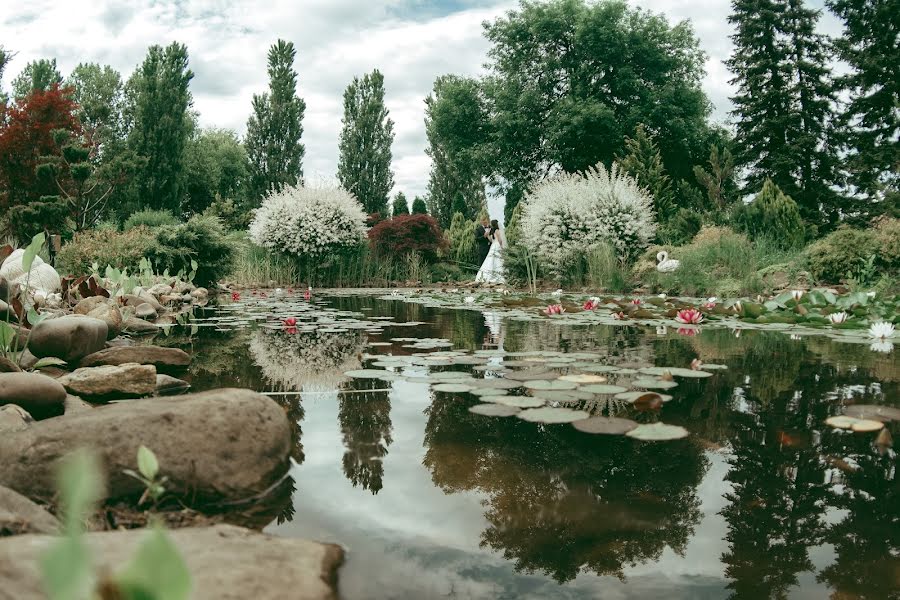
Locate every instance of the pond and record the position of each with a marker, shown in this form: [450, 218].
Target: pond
[761, 499]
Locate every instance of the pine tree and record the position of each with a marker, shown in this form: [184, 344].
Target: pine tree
[870, 120]
[719, 179]
[419, 207]
[400, 206]
[158, 99]
[364, 167]
[275, 128]
[644, 162]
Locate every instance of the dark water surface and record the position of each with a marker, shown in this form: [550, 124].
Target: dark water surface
[762, 500]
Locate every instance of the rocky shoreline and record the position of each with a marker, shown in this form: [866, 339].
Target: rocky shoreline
[88, 379]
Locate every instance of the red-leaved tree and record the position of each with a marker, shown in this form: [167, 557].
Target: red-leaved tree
[408, 233]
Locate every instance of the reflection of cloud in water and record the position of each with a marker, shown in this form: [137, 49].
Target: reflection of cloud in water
[306, 361]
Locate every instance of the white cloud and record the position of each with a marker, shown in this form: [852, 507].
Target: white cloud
[335, 39]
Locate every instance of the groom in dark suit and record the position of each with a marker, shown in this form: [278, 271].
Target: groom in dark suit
[483, 244]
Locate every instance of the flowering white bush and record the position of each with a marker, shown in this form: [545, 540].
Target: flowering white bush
[570, 215]
[309, 221]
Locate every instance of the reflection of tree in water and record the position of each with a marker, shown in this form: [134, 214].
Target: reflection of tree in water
[867, 539]
[365, 420]
[306, 361]
[562, 502]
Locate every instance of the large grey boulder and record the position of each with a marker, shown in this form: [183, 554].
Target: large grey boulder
[69, 338]
[164, 359]
[20, 515]
[221, 444]
[111, 381]
[104, 309]
[145, 311]
[32, 391]
[225, 562]
[14, 418]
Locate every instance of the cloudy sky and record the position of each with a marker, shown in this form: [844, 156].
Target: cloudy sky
[410, 41]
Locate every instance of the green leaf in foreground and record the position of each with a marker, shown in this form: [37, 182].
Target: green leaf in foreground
[156, 571]
[147, 463]
[37, 242]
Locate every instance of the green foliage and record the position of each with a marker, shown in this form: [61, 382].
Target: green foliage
[158, 99]
[400, 205]
[38, 75]
[718, 180]
[643, 161]
[275, 127]
[233, 217]
[457, 126]
[859, 254]
[364, 166]
[202, 240]
[148, 474]
[150, 218]
[419, 207]
[771, 214]
[461, 238]
[602, 269]
[681, 228]
[216, 166]
[120, 250]
[98, 92]
[49, 214]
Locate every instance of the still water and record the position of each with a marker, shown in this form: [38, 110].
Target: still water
[761, 500]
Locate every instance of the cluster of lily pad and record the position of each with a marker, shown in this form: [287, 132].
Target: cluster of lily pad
[543, 387]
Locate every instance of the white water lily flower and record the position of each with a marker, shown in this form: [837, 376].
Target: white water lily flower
[838, 317]
[558, 292]
[663, 296]
[882, 346]
[797, 294]
[469, 300]
[712, 300]
[870, 294]
[881, 330]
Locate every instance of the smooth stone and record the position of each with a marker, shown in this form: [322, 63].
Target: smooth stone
[69, 338]
[102, 308]
[118, 381]
[8, 366]
[225, 563]
[32, 391]
[27, 360]
[200, 294]
[138, 326]
[145, 311]
[160, 289]
[14, 418]
[164, 359]
[140, 296]
[167, 385]
[220, 444]
[75, 404]
[19, 515]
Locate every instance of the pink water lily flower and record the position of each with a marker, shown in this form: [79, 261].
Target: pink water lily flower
[696, 364]
[689, 316]
[554, 309]
[620, 316]
[591, 304]
[307, 294]
[636, 301]
[235, 296]
[688, 331]
[290, 322]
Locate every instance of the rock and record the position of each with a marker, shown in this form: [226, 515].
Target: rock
[8, 366]
[138, 326]
[200, 294]
[160, 289]
[14, 418]
[169, 299]
[34, 392]
[139, 297]
[221, 444]
[111, 381]
[145, 311]
[225, 562]
[166, 360]
[19, 515]
[187, 299]
[27, 360]
[75, 404]
[120, 342]
[167, 385]
[6, 312]
[69, 338]
[99, 307]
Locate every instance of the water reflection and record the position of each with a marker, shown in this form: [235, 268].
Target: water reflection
[365, 420]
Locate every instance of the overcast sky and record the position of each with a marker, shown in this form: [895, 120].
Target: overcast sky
[410, 41]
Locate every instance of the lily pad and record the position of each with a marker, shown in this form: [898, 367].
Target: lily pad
[562, 395]
[657, 432]
[864, 426]
[583, 379]
[600, 388]
[517, 401]
[841, 422]
[873, 412]
[634, 396]
[543, 384]
[654, 384]
[531, 375]
[552, 415]
[487, 392]
[605, 425]
[452, 388]
[494, 410]
[371, 374]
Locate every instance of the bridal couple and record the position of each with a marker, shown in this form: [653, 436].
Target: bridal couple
[491, 243]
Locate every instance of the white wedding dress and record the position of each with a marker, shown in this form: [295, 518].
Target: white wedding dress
[491, 270]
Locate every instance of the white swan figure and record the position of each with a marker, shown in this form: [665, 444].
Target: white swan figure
[666, 264]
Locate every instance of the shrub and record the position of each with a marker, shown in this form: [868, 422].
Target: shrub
[309, 221]
[887, 240]
[566, 217]
[202, 239]
[771, 214]
[118, 249]
[406, 234]
[150, 218]
[461, 240]
[682, 227]
[419, 207]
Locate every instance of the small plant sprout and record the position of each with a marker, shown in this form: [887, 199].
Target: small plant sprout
[148, 472]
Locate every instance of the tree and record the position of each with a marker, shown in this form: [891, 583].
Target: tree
[644, 163]
[275, 128]
[216, 166]
[419, 207]
[98, 92]
[870, 119]
[38, 75]
[5, 57]
[26, 136]
[158, 99]
[456, 124]
[364, 166]
[773, 215]
[719, 179]
[400, 206]
[569, 79]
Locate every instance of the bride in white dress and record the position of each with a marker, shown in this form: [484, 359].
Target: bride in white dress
[491, 270]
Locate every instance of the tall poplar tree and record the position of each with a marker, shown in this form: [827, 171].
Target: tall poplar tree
[364, 167]
[871, 120]
[38, 75]
[157, 107]
[275, 128]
